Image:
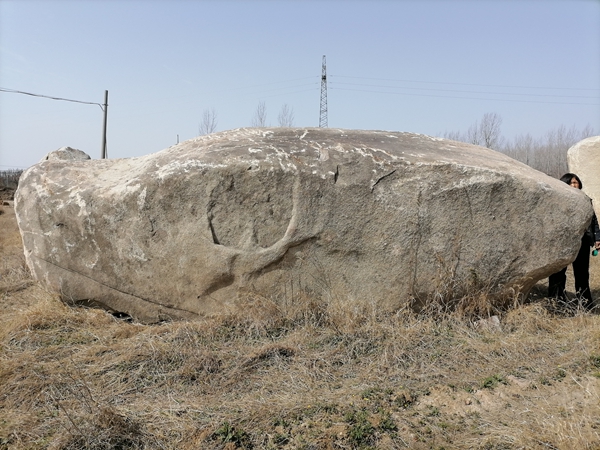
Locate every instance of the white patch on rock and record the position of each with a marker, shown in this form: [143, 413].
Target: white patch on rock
[141, 199]
[185, 166]
[79, 201]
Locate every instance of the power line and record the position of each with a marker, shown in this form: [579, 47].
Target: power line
[230, 89]
[237, 100]
[466, 92]
[104, 108]
[468, 84]
[274, 82]
[464, 98]
[13, 91]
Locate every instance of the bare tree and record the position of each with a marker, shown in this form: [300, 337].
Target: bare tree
[588, 131]
[473, 136]
[489, 131]
[547, 154]
[286, 116]
[454, 136]
[260, 115]
[209, 122]
[555, 146]
[522, 149]
[485, 133]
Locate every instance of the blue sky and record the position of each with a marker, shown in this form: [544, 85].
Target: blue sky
[419, 66]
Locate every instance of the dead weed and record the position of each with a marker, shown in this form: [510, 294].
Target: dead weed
[314, 373]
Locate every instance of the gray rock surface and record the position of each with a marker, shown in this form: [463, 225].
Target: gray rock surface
[66, 154]
[368, 216]
[584, 160]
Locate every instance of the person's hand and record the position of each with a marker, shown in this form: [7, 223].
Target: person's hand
[597, 245]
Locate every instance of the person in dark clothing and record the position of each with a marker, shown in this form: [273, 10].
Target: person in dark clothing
[581, 265]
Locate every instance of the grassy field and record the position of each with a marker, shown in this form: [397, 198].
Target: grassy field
[294, 374]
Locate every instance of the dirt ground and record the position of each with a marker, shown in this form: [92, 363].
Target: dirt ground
[12, 262]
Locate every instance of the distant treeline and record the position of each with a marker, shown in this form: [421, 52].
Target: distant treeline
[10, 178]
[547, 154]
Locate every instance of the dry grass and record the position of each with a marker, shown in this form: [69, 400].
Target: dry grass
[303, 373]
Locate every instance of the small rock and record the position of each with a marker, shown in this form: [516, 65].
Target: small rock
[490, 324]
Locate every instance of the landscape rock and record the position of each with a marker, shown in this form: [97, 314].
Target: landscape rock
[66, 154]
[491, 324]
[584, 161]
[377, 217]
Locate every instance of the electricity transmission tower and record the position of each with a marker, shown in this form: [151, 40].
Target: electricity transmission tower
[323, 113]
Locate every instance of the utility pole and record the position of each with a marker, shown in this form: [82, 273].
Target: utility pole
[323, 112]
[105, 109]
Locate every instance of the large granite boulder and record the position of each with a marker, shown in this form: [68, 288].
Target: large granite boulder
[584, 160]
[368, 216]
